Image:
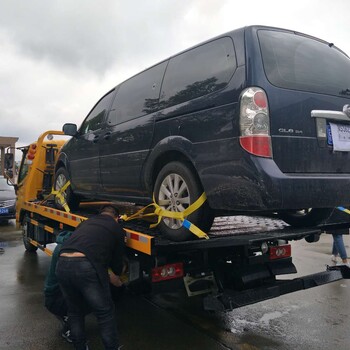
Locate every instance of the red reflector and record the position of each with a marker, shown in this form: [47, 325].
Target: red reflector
[167, 272]
[281, 251]
[257, 145]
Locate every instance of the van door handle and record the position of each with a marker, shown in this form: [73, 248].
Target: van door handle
[107, 135]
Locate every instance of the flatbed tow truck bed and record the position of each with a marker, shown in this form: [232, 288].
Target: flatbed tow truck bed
[226, 231]
[235, 231]
[230, 269]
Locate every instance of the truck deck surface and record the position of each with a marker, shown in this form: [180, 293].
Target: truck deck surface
[229, 231]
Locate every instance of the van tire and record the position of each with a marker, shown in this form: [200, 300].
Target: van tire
[61, 178]
[174, 176]
[305, 217]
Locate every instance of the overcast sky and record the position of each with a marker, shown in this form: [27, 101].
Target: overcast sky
[58, 57]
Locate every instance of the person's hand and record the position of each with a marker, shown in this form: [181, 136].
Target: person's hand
[115, 280]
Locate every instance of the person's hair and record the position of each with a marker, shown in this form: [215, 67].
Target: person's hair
[109, 208]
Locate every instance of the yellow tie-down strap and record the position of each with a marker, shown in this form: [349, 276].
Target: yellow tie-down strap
[60, 196]
[347, 211]
[161, 212]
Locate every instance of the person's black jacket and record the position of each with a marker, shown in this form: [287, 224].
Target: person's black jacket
[102, 240]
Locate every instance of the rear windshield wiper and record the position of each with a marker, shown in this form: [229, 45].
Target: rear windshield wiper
[345, 92]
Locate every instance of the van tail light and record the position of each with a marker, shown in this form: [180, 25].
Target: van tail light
[167, 272]
[280, 252]
[255, 123]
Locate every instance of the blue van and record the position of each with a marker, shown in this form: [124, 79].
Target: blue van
[257, 118]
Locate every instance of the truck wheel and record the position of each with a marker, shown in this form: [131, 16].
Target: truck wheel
[175, 189]
[61, 178]
[305, 217]
[27, 232]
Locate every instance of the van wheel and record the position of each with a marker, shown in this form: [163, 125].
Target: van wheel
[61, 178]
[305, 217]
[27, 232]
[175, 189]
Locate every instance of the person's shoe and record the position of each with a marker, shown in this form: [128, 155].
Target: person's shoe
[334, 259]
[66, 334]
[343, 264]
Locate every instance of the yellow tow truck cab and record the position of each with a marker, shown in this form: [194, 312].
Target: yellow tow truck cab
[36, 170]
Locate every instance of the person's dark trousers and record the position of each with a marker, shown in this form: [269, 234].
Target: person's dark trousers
[56, 304]
[80, 284]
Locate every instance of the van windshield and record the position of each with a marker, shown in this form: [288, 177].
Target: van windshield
[297, 62]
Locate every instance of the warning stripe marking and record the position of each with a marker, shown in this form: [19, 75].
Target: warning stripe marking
[56, 212]
[136, 237]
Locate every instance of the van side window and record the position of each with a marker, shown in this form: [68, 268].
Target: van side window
[197, 72]
[95, 118]
[137, 96]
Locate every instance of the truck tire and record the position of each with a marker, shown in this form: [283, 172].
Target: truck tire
[305, 217]
[27, 232]
[175, 189]
[61, 178]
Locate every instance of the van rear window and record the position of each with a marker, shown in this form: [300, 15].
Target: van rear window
[297, 62]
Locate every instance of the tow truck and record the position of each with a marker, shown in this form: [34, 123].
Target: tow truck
[239, 263]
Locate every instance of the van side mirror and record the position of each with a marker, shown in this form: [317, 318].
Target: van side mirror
[70, 129]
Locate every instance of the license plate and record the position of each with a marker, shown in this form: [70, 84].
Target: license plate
[329, 135]
[338, 135]
[4, 211]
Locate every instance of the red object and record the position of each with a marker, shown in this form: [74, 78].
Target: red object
[260, 99]
[258, 145]
[280, 252]
[167, 272]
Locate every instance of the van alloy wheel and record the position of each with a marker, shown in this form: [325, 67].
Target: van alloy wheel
[174, 196]
[61, 178]
[175, 189]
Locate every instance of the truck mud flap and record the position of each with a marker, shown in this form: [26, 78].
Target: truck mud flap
[229, 300]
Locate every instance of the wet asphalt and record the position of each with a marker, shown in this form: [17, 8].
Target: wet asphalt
[313, 319]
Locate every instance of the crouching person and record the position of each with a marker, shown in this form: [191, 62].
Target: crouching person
[82, 272]
[54, 300]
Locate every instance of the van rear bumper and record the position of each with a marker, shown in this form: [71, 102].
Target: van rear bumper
[261, 186]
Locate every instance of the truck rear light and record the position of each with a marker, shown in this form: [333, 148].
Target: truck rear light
[167, 272]
[280, 251]
[255, 123]
[31, 151]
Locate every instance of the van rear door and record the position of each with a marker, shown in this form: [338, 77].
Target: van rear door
[302, 75]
